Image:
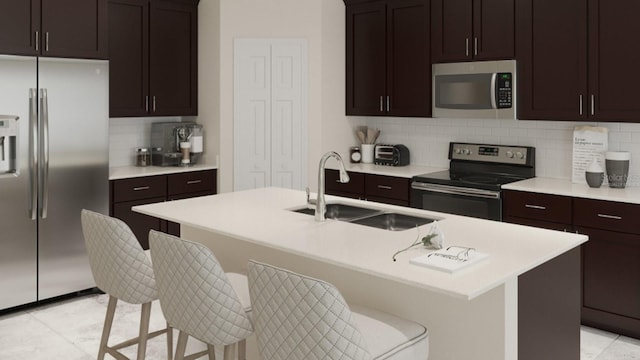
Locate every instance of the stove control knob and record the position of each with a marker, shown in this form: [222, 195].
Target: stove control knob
[466, 152]
[457, 151]
[509, 154]
[519, 155]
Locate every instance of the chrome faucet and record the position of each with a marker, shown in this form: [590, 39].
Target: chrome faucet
[321, 207]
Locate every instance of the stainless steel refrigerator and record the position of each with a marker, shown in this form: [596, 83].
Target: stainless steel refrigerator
[54, 162]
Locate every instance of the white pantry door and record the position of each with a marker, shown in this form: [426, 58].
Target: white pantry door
[270, 113]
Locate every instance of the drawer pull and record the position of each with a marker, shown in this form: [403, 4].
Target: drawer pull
[191, 182]
[385, 187]
[537, 207]
[141, 188]
[614, 217]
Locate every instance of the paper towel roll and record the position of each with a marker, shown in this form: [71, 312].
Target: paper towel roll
[196, 144]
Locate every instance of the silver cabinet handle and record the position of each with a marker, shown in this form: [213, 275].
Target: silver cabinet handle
[593, 104]
[581, 104]
[388, 103]
[154, 103]
[381, 104]
[475, 45]
[537, 207]
[33, 152]
[37, 40]
[455, 190]
[613, 217]
[494, 83]
[46, 41]
[191, 182]
[139, 188]
[146, 103]
[466, 47]
[385, 187]
[44, 112]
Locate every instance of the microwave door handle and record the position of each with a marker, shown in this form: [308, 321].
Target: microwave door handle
[493, 90]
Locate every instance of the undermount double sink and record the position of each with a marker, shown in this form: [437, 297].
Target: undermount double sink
[370, 217]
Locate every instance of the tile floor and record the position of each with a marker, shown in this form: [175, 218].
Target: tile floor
[70, 330]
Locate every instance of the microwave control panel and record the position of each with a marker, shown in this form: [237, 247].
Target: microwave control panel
[504, 93]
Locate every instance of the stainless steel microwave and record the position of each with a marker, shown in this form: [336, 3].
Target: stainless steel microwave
[481, 89]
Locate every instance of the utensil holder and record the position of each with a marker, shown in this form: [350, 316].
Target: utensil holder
[367, 153]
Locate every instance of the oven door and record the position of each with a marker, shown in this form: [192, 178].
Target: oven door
[478, 203]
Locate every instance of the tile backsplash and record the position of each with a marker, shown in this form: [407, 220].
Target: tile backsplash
[128, 134]
[428, 140]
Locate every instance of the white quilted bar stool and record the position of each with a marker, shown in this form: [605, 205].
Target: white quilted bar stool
[299, 318]
[121, 269]
[198, 298]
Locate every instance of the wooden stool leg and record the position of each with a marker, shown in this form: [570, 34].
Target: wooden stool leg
[169, 342]
[229, 352]
[242, 350]
[106, 329]
[212, 352]
[181, 347]
[144, 330]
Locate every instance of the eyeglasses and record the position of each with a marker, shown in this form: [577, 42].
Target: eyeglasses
[462, 255]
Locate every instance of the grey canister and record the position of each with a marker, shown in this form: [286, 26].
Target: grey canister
[594, 174]
[617, 166]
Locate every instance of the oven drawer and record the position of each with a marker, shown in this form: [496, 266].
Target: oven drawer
[606, 215]
[529, 205]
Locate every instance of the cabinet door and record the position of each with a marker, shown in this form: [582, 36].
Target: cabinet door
[452, 30]
[614, 55]
[408, 60]
[173, 59]
[551, 54]
[139, 223]
[74, 28]
[366, 59]
[493, 29]
[611, 265]
[128, 58]
[19, 22]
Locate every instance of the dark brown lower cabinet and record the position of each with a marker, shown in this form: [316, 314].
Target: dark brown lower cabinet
[126, 193]
[140, 224]
[611, 281]
[610, 259]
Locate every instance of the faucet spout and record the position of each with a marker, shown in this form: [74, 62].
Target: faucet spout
[321, 206]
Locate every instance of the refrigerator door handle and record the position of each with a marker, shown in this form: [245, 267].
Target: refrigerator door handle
[44, 151]
[33, 153]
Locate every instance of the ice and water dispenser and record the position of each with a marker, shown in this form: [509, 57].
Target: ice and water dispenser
[8, 146]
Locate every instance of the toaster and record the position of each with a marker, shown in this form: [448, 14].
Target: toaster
[391, 155]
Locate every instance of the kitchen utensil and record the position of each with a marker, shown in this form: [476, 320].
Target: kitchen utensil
[361, 136]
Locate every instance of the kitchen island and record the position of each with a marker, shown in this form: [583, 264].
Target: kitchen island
[471, 314]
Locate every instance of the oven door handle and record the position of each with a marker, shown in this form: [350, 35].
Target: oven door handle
[455, 190]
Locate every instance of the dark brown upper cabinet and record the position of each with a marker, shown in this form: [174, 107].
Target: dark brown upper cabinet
[577, 60]
[54, 28]
[388, 58]
[464, 30]
[153, 56]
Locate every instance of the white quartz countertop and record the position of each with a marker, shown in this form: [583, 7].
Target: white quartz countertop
[125, 172]
[262, 217]
[407, 171]
[567, 188]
